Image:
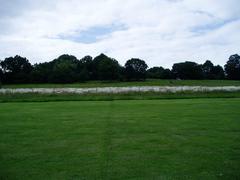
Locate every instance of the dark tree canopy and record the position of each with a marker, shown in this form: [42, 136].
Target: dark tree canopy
[16, 70]
[155, 72]
[167, 74]
[232, 67]
[218, 72]
[159, 73]
[42, 72]
[86, 68]
[106, 68]
[16, 64]
[64, 69]
[135, 69]
[1, 77]
[187, 70]
[207, 68]
[67, 69]
[86, 59]
[212, 72]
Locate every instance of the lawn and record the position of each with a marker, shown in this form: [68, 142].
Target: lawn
[38, 97]
[126, 84]
[134, 139]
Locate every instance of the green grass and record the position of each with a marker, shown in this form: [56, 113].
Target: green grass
[143, 83]
[36, 97]
[144, 139]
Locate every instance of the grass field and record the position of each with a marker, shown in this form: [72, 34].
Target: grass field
[121, 84]
[37, 97]
[135, 139]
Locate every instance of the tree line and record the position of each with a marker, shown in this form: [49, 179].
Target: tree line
[69, 69]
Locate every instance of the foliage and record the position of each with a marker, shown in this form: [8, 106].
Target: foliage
[212, 72]
[218, 72]
[207, 69]
[68, 69]
[86, 66]
[187, 70]
[65, 69]
[42, 72]
[159, 73]
[16, 70]
[135, 69]
[1, 77]
[105, 68]
[232, 67]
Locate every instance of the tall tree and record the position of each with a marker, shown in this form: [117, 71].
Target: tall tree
[159, 73]
[16, 70]
[65, 69]
[42, 72]
[1, 77]
[135, 69]
[86, 68]
[155, 72]
[167, 74]
[207, 68]
[232, 67]
[218, 72]
[210, 71]
[105, 68]
[187, 70]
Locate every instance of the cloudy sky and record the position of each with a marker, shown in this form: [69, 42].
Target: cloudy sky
[161, 32]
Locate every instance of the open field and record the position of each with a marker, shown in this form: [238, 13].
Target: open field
[127, 84]
[144, 139]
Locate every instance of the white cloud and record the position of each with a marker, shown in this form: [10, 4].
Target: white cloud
[160, 31]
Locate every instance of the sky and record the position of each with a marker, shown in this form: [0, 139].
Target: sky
[161, 32]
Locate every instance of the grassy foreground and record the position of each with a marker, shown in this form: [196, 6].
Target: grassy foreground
[149, 82]
[144, 139]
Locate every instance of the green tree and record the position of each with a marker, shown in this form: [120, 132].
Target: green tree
[187, 70]
[135, 69]
[16, 69]
[207, 68]
[212, 72]
[41, 72]
[1, 77]
[155, 72]
[105, 68]
[218, 72]
[159, 73]
[167, 74]
[232, 68]
[65, 69]
[86, 68]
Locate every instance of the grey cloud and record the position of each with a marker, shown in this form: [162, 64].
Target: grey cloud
[160, 31]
